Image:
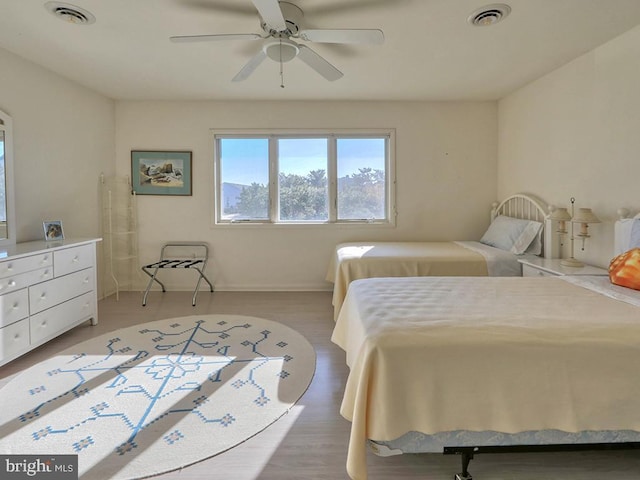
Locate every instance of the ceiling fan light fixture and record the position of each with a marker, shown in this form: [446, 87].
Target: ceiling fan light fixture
[489, 15]
[70, 13]
[281, 50]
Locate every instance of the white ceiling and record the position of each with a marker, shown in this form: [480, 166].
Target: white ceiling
[430, 51]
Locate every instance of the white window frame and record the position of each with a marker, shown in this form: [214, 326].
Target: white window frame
[274, 194]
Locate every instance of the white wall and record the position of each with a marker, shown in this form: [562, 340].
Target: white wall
[446, 181]
[576, 133]
[64, 137]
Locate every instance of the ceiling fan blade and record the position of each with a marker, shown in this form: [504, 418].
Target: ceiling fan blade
[271, 14]
[318, 63]
[215, 38]
[251, 65]
[368, 36]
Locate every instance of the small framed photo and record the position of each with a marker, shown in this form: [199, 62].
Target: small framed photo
[53, 230]
[161, 173]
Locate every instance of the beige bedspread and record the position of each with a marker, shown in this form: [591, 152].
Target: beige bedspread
[434, 354]
[354, 261]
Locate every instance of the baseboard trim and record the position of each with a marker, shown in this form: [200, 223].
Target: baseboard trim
[243, 288]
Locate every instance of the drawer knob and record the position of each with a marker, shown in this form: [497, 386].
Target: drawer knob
[16, 336]
[43, 296]
[75, 259]
[12, 283]
[15, 306]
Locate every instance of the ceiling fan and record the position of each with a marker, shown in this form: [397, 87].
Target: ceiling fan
[281, 23]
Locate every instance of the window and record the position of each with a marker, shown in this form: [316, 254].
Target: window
[304, 178]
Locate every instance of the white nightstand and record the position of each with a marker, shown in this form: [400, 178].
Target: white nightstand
[551, 267]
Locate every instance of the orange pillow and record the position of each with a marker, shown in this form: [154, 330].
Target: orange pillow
[624, 270]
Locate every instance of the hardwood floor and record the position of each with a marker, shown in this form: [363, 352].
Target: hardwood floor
[310, 442]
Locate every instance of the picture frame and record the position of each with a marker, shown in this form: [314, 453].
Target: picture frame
[161, 172]
[53, 230]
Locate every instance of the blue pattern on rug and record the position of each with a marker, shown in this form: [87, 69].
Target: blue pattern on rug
[130, 384]
[178, 364]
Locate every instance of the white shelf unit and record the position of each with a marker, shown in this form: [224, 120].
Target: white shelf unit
[120, 229]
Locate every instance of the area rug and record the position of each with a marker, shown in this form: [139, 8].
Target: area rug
[158, 396]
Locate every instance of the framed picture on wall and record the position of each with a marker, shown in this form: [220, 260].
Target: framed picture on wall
[161, 172]
[53, 230]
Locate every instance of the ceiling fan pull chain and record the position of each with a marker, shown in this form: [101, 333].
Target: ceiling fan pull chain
[281, 66]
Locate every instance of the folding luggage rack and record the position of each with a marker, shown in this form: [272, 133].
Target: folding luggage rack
[197, 261]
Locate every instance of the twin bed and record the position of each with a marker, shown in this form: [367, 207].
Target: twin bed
[516, 221]
[465, 365]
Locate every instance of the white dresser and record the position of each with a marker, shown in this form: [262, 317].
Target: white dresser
[46, 288]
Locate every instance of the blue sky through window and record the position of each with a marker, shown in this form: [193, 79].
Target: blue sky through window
[357, 153]
[299, 156]
[246, 160]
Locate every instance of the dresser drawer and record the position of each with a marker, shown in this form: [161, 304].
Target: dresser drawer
[9, 268]
[13, 307]
[23, 280]
[52, 322]
[71, 260]
[48, 294]
[528, 271]
[14, 338]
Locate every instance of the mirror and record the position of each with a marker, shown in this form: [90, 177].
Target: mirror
[7, 209]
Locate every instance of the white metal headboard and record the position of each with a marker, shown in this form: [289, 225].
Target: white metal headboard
[520, 205]
[526, 207]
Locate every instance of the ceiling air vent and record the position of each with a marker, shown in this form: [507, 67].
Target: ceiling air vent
[489, 15]
[70, 13]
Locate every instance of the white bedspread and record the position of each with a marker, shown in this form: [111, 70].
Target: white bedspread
[357, 260]
[500, 263]
[436, 354]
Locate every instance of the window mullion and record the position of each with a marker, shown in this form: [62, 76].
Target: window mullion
[332, 178]
[217, 179]
[274, 187]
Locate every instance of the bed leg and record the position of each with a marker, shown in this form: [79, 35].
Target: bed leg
[465, 475]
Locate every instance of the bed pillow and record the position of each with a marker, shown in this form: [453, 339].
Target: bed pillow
[624, 270]
[535, 247]
[511, 234]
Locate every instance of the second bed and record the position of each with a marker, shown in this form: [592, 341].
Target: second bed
[517, 227]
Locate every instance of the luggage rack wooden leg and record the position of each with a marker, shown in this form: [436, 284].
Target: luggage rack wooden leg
[198, 265]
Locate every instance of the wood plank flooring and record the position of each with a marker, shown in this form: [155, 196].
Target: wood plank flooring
[310, 442]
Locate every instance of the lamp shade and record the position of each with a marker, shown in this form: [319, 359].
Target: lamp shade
[585, 215]
[560, 214]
